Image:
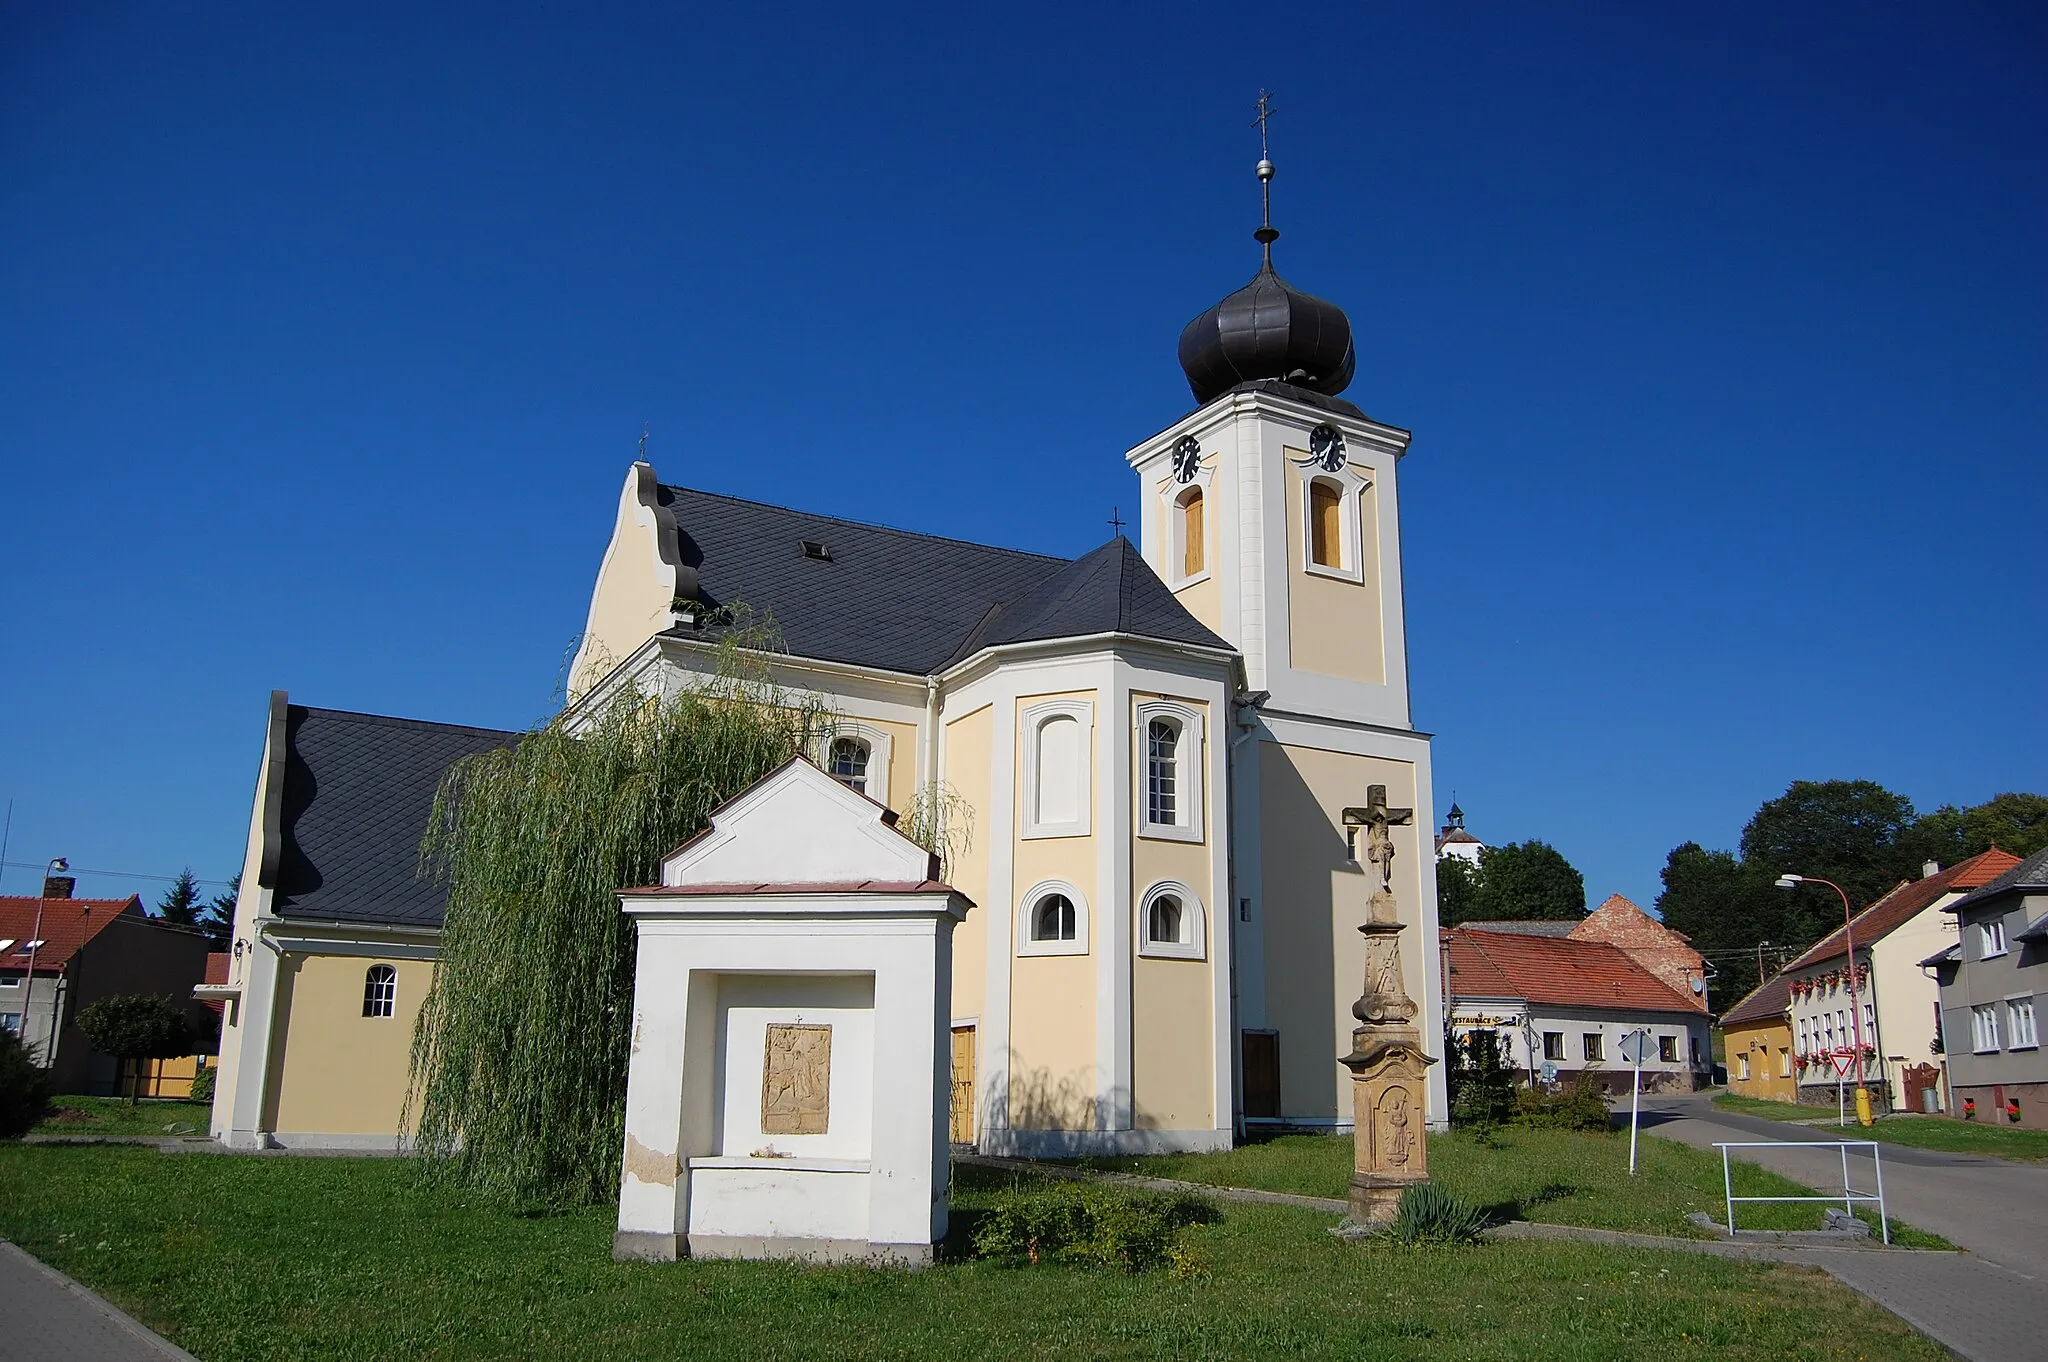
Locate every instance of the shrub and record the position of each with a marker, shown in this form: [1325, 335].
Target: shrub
[1094, 1226]
[1427, 1214]
[24, 1088]
[202, 1083]
[1579, 1107]
[1482, 1089]
[133, 1026]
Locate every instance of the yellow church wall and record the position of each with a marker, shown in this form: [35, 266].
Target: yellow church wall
[631, 601]
[1172, 1077]
[1052, 1008]
[1333, 625]
[1204, 600]
[333, 1070]
[967, 768]
[1316, 961]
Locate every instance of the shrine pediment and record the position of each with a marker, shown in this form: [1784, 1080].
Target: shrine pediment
[797, 825]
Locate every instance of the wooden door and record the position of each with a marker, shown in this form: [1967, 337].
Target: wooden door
[963, 1085]
[1261, 1073]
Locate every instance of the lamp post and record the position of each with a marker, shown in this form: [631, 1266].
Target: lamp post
[1789, 881]
[57, 866]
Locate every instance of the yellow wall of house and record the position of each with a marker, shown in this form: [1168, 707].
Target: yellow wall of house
[630, 603]
[902, 762]
[1052, 997]
[335, 1071]
[1204, 600]
[967, 769]
[1315, 956]
[1762, 1042]
[1333, 626]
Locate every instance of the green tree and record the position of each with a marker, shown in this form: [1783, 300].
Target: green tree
[24, 1087]
[181, 902]
[1528, 881]
[1850, 831]
[1727, 908]
[217, 919]
[2012, 822]
[1457, 890]
[136, 1026]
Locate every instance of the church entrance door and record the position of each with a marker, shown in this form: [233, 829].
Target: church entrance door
[963, 1085]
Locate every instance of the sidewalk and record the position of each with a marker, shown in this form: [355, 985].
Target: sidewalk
[50, 1318]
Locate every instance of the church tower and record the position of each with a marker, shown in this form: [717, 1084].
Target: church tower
[1272, 514]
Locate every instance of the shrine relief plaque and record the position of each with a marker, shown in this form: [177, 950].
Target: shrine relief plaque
[796, 1080]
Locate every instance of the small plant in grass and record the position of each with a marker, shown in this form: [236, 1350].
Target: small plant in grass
[24, 1088]
[1427, 1214]
[1094, 1226]
[202, 1083]
[1579, 1107]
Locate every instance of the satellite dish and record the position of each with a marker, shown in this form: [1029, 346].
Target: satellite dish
[1698, 986]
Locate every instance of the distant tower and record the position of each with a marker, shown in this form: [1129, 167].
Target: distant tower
[1455, 841]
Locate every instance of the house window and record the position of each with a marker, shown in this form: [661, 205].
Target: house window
[1984, 1027]
[11, 979]
[1742, 1067]
[1170, 922]
[1592, 1042]
[1667, 1049]
[1991, 937]
[2020, 1014]
[380, 991]
[849, 764]
[1052, 919]
[1784, 1063]
[1325, 524]
[1170, 800]
[1553, 1045]
[1189, 511]
[1693, 1048]
[1058, 759]
[10, 1021]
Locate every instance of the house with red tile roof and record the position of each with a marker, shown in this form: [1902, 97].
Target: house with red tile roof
[1560, 1006]
[59, 954]
[1899, 1001]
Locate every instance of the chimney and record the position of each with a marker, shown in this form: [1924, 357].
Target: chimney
[1929, 869]
[58, 886]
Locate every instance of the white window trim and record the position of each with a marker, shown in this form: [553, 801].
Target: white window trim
[2033, 1022]
[879, 747]
[1176, 537]
[367, 996]
[1351, 487]
[1986, 929]
[1189, 758]
[1193, 920]
[1027, 910]
[1983, 1019]
[1082, 711]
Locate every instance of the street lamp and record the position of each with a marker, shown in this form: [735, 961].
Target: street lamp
[1789, 881]
[57, 866]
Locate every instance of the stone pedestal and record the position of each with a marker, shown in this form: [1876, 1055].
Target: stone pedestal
[1388, 1093]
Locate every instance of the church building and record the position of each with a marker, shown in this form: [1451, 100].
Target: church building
[1159, 751]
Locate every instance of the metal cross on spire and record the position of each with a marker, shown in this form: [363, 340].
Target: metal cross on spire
[1266, 235]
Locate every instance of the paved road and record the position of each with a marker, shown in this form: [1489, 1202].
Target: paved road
[1989, 1305]
[50, 1318]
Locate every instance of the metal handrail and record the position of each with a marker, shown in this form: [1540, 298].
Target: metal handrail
[1848, 1197]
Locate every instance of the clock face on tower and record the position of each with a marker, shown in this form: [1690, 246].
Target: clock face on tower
[1326, 448]
[1187, 459]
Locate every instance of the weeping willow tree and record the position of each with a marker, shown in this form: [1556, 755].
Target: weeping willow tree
[519, 1056]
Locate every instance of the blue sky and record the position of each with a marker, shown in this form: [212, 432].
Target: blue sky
[326, 339]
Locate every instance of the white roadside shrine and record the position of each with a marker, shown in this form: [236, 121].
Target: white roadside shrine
[788, 1090]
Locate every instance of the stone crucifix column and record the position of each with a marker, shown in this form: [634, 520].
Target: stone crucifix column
[1387, 1061]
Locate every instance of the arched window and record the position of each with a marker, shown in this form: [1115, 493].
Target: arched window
[849, 764]
[1192, 559]
[1170, 922]
[1052, 919]
[1162, 772]
[380, 991]
[1325, 524]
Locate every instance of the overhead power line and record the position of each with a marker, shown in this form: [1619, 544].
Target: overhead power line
[111, 874]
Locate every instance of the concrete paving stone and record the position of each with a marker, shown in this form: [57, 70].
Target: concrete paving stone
[50, 1318]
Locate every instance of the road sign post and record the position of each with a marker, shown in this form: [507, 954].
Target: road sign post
[1635, 1048]
[1842, 1057]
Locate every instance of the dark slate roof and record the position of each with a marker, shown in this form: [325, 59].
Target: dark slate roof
[2028, 877]
[1769, 1001]
[1518, 927]
[903, 601]
[357, 792]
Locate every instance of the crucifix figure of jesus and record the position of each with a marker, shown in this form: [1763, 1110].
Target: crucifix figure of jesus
[1379, 844]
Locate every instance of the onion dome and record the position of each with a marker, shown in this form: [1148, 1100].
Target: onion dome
[1268, 330]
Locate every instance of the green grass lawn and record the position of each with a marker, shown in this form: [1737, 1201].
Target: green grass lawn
[113, 1116]
[1981, 1136]
[242, 1258]
[1560, 1177]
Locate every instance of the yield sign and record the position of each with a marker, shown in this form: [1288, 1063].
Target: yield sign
[1843, 1059]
